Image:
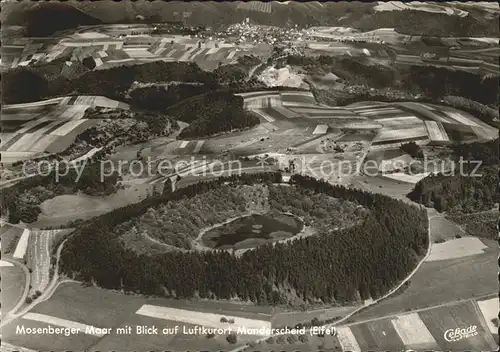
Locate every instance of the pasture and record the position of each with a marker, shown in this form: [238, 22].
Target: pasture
[47, 126]
[65, 208]
[456, 248]
[444, 281]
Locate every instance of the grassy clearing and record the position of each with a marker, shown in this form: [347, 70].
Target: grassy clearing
[65, 208]
[456, 248]
[105, 308]
[12, 286]
[443, 229]
[461, 316]
[441, 282]
[45, 342]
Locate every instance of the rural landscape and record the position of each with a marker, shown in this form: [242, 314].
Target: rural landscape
[249, 176]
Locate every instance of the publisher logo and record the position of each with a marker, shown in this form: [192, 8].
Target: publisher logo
[454, 335]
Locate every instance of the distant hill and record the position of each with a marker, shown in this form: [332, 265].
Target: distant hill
[46, 17]
[43, 19]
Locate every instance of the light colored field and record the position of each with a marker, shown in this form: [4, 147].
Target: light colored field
[22, 143]
[65, 208]
[320, 129]
[490, 309]
[68, 127]
[460, 118]
[413, 332]
[43, 143]
[3, 263]
[184, 144]
[200, 318]
[436, 131]
[400, 121]
[60, 322]
[347, 340]
[22, 245]
[262, 114]
[10, 157]
[456, 248]
[401, 176]
[12, 286]
[198, 146]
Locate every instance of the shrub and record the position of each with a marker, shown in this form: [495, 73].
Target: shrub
[232, 338]
[303, 338]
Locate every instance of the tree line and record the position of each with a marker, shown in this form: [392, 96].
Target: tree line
[342, 266]
[475, 190]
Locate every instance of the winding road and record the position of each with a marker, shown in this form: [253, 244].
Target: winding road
[387, 295]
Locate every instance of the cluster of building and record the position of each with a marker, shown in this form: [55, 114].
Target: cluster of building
[248, 33]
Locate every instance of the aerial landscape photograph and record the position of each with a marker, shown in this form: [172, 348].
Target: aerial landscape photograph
[249, 176]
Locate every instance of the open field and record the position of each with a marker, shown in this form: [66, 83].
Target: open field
[444, 229]
[440, 282]
[10, 236]
[62, 209]
[22, 245]
[490, 309]
[431, 328]
[200, 318]
[456, 248]
[107, 309]
[12, 286]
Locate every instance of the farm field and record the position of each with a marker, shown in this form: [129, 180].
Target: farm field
[12, 286]
[65, 208]
[107, 309]
[490, 308]
[50, 126]
[10, 236]
[429, 328]
[44, 342]
[440, 282]
[456, 248]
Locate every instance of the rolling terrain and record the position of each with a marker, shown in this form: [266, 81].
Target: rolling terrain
[289, 161]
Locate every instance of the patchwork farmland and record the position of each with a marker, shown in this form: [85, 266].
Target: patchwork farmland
[49, 126]
[427, 329]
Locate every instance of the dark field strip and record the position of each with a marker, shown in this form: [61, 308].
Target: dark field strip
[55, 127]
[390, 115]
